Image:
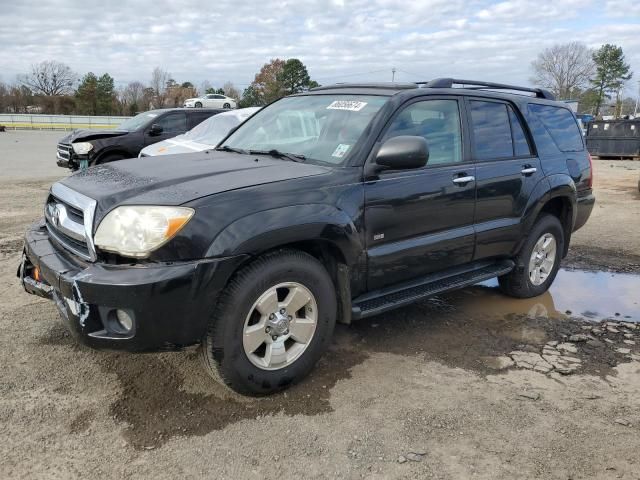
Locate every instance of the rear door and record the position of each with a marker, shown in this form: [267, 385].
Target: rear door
[421, 221]
[507, 170]
[172, 123]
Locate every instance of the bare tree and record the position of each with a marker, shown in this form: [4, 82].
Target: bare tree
[230, 90]
[563, 68]
[49, 78]
[204, 86]
[159, 79]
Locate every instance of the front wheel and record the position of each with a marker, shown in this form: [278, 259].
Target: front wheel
[226, 105]
[198, 105]
[538, 262]
[272, 323]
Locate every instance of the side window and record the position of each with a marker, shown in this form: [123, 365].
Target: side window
[520, 144]
[491, 130]
[561, 125]
[211, 96]
[438, 121]
[195, 118]
[173, 122]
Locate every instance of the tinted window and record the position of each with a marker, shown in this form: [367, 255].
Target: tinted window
[195, 118]
[173, 122]
[491, 130]
[438, 121]
[561, 125]
[520, 144]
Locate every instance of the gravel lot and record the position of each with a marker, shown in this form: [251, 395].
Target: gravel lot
[466, 385]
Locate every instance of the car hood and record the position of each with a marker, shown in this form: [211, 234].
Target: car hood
[178, 179]
[175, 145]
[87, 135]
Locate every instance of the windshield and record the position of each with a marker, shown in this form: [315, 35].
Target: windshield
[321, 128]
[215, 128]
[138, 121]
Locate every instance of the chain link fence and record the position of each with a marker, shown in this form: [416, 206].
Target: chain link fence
[57, 122]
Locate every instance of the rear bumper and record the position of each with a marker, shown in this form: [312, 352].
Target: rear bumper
[170, 303]
[584, 206]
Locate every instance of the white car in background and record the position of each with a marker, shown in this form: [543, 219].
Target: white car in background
[210, 100]
[204, 136]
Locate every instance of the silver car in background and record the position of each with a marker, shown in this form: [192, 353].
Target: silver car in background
[204, 136]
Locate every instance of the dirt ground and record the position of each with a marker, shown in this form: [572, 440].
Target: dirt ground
[465, 385]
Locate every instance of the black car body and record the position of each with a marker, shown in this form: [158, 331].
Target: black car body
[386, 227]
[126, 141]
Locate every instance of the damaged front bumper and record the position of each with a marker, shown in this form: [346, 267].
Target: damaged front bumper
[169, 303]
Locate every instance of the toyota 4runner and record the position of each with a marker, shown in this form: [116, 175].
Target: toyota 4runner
[391, 193]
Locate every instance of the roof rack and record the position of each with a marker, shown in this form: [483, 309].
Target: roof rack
[479, 85]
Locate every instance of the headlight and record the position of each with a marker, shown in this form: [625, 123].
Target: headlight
[82, 148]
[136, 231]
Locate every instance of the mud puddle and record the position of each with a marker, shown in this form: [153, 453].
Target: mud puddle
[593, 296]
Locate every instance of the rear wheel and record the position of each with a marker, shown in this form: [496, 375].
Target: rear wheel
[538, 262]
[272, 323]
[226, 105]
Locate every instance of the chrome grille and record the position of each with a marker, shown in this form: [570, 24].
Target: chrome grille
[69, 220]
[63, 151]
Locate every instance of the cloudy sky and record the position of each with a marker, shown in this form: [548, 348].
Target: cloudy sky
[339, 40]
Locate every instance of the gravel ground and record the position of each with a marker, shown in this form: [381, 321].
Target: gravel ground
[466, 385]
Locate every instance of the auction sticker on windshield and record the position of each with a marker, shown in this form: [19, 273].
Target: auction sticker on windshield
[351, 105]
[341, 150]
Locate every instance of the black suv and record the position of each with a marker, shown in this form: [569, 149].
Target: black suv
[332, 205]
[93, 147]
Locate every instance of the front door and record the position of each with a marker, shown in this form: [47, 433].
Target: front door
[173, 124]
[421, 221]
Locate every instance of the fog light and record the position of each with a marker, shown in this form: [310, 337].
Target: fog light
[124, 320]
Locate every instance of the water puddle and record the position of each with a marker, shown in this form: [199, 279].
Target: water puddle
[592, 296]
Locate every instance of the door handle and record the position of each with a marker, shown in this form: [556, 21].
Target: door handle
[467, 179]
[529, 170]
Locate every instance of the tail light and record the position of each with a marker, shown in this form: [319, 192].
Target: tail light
[590, 180]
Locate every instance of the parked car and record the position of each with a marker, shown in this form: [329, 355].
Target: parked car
[391, 193]
[93, 147]
[202, 137]
[211, 100]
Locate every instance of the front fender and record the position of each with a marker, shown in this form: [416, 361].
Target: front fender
[272, 228]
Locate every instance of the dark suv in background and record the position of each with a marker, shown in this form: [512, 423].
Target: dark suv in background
[382, 195]
[101, 146]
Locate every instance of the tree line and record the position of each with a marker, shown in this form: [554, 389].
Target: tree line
[596, 78]
[571, 71]
[53, 87]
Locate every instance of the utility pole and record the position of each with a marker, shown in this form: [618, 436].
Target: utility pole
[393, 74]
[635, 110]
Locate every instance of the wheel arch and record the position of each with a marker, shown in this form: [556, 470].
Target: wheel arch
[324, 232]
[559, 199]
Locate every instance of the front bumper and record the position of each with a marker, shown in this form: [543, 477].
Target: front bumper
[170, 303]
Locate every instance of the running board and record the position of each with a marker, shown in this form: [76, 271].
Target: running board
[384, 300]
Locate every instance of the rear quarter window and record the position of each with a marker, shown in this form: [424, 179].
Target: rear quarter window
[561, 125]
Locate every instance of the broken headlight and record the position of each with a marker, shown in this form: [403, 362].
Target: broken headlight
[82, 148]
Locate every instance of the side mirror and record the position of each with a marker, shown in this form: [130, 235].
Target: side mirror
[403, 152]
[155, 129]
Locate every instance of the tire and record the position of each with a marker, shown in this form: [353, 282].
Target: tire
[226, 105]
[245, 369]
[532, 277]
[198, 105]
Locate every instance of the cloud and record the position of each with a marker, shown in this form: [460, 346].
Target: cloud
[337, 40]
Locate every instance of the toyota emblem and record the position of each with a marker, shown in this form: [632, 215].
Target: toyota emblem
[55, 215]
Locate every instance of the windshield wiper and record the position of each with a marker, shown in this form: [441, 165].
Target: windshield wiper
[294, 157]
[227, 148]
